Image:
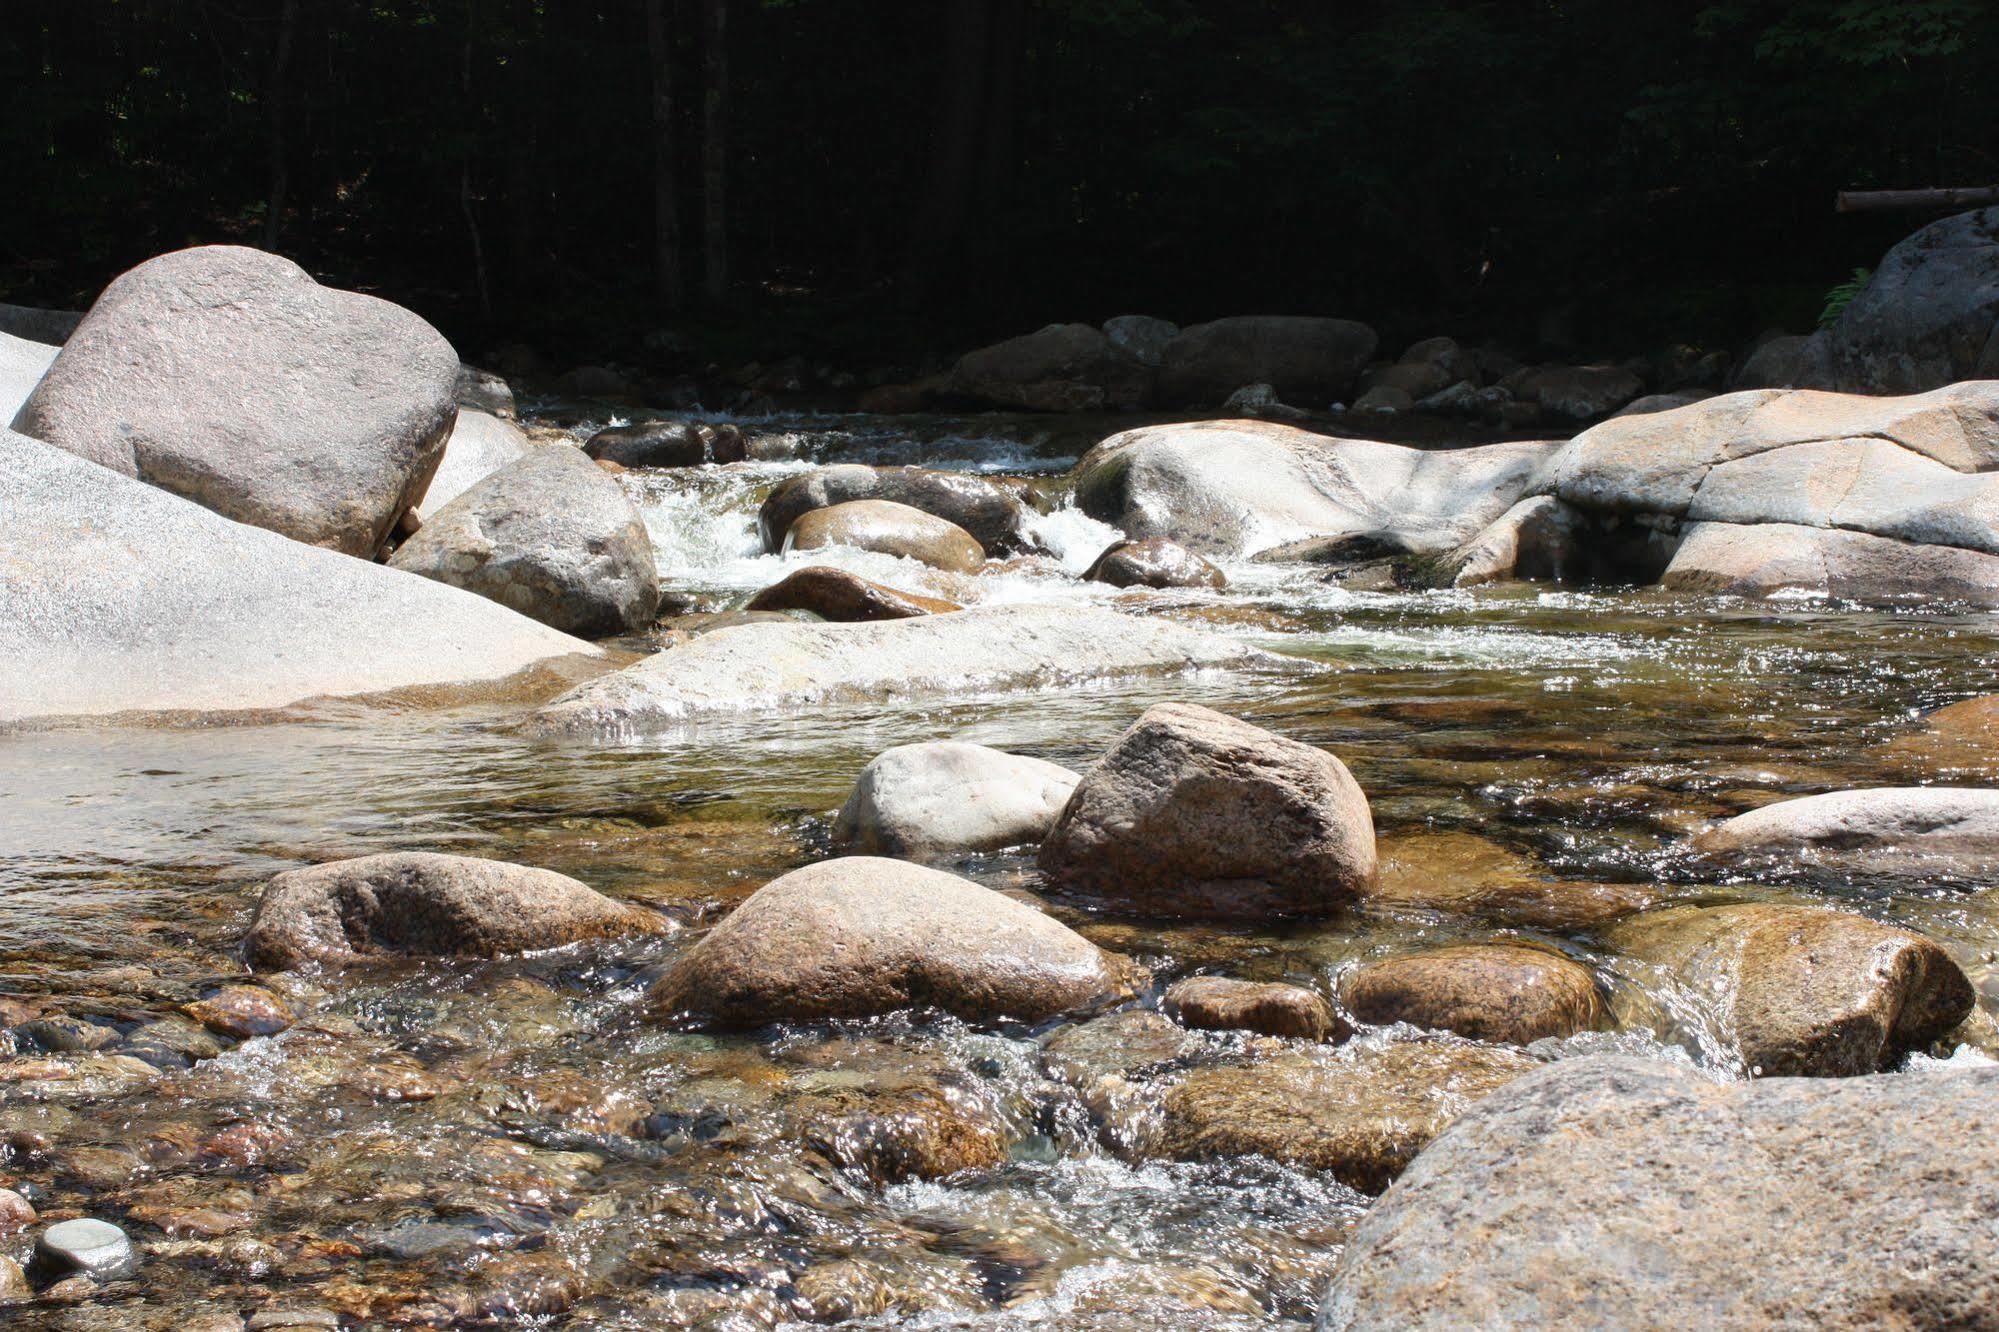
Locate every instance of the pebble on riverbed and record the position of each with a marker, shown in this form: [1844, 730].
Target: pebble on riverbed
[86, 1247]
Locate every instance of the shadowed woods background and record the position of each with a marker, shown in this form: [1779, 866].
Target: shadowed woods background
[873, 180]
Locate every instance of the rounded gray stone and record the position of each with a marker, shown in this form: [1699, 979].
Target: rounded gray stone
[97, 1249]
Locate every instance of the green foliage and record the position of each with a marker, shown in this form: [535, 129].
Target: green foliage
[1842, 296]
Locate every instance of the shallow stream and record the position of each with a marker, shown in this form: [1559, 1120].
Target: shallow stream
[511, 1143]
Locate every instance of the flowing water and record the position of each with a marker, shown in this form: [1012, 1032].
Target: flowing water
[513, 1143]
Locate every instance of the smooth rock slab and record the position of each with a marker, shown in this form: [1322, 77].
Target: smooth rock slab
[548, 535]
[1359, 1113]
[864, 935]
[1906, 829]
[120, 597]
[1193, 813]
[1505, 993]
[422, 904]
[1765, 559]
[96, 1249]
[763, 667]
[1799, 991]
[1614, 1192]
[228, 376]
[947, 799]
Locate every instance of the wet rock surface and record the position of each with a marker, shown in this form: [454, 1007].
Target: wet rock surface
[888, 528]
[1222, 1003]
[834, 594]
[947, 799]
[1155, 562]
[1900, 830]
[994, 514]
[1506, 994]
[1195, 813]
[1646, 1194]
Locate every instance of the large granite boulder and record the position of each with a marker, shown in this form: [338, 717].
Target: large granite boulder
[861, 936]
[22, 365]
[1358, 1112]
[1914, 830]
[1928, 317]
[769, 667]
[946, 799]
[420, 904]
[1511, 994]
[548, 535]
[1154, 562]
[1234, 488]
[1800, 991]
[228, 376]
[121, 597]
[1304, 359]
[1060, 368]
[480, 445]
[888, 528]
[994, 514]
[1193, 813]
[1617, 1192]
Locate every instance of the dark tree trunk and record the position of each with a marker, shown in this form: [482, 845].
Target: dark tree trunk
[715, 150]
[954, 146]
[281, 59]
[665, 202]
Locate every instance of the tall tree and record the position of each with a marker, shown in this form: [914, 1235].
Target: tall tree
[715, 150]
[665, 199]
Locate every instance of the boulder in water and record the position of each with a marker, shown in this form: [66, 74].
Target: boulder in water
[1154, 562]
[1303, 359]
[480, 445]
[1060, 368]
[1929, 316]
[1193, 813]
[1269, 1008]
[649, 444]
[1509, 994]
[547, 535]
[228, 376]
[995, 514]
[888, 528]
[419, 904]
[1620, 1192]
[864, 935]
[149, 602]
[835, 594]
[1799, 991]
[947, 799]
[764, 667]
[1897, 829]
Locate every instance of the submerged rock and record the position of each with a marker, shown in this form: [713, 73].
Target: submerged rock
[86, 1246]
[1154, 562]
[549, 536]
[1222, 1003]
[946, 799]
[1905, 829]
[1234, 488]
[1505, 993]
[1800, 991]
[889, 529]
[760, 667]
[480, 445]
[1193, 813]
[1303, 359]
[995, 514]
[423, 904]
[865, 935]
[1361, 1113]
[1626, 1193]
[835, 594]
[228, 376]
[149, 602]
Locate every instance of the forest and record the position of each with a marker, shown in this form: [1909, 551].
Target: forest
[867, 180]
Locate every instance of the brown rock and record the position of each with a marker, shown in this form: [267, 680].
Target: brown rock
[1154, 562]
[1221, 1003]
[835, 594]
[890, 529]
[1959, 740]
[1193, 813]
[1489, 992]
[420, 903]
[241, 1011]
[16, 1212]
[1359, 1113]
[904, 1133]
[864, 935]
[1801, 991]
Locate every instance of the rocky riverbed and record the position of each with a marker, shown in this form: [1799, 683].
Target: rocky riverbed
[1294, 929]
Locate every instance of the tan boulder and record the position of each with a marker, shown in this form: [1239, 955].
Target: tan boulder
[1269, 1008]
[835, 594]
[1506, 993]
[889, 529]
